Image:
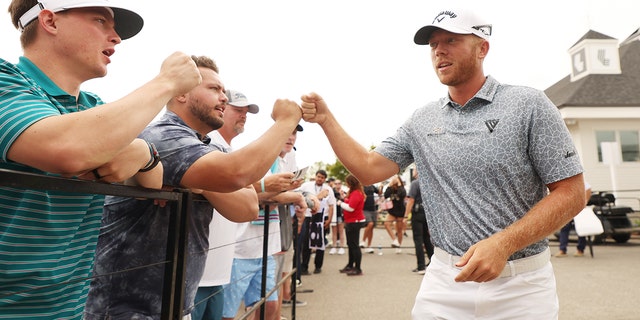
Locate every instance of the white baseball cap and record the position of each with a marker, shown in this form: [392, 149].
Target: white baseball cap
[457, 21]
[237, 99]
[127, 22]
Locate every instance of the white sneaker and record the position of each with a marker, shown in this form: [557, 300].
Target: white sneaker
[332, 251]
[362, 244]
[395, 243]
[341, 251]
[398, 251]
[369, 250]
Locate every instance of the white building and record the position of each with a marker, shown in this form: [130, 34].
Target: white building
[600, 103]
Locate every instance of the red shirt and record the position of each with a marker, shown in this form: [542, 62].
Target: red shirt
[355, 200]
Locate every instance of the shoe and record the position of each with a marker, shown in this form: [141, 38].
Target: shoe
[419, 271]
[289, 303]
[398, 251]
[332, 251]
[362, 244]
[283, 318]
[341, 251]
[369, 250]
[395, 243]
[354, 272]
[317, 270]
[305, 273]
[298, 283]
[579, 254]
[560, 254]
[346, 269]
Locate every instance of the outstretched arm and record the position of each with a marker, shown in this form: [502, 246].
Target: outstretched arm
[368, 166]
[74, 143]
[224, 172]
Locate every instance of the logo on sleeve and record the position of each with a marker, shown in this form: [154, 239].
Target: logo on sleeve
[491, 124]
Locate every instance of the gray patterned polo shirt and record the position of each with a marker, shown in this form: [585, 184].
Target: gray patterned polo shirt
[485, 164]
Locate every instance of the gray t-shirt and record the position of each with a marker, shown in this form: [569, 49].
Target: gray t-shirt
[485, 165]
[134, 234]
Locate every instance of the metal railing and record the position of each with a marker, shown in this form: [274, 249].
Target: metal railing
[176, 251]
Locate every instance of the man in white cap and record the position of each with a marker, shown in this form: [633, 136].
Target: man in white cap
[209, 298]
[49, 126]
[498, 172]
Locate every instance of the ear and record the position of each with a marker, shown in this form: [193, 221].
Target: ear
[181, 98]
[484, 49]
[47, 20]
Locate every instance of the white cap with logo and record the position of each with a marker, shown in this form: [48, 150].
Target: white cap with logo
[456, 21]
[237, 99]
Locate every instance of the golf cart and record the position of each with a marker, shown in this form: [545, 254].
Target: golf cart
[615, 222]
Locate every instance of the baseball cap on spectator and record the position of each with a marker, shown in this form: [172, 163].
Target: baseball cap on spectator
[127, 22]
[237, 99]
[456, 21]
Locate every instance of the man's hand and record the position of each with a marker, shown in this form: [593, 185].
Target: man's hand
[181, 72]
[323, 194]
[314, 108]
[484, 261]
[286, 110]
[280, 182]
[124, 165]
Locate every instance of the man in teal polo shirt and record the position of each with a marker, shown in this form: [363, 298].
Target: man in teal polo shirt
[49, 126]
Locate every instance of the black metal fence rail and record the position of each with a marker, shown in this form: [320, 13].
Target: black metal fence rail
[176, 251]
[174, 276]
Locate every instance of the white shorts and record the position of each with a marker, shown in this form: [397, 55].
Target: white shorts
[528, 295]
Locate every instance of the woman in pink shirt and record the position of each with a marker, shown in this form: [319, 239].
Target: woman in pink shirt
[354, 220]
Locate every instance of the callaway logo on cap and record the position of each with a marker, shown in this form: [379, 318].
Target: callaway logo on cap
[457, 21]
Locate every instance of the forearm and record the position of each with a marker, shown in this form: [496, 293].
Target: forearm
[150, 179]
[251, 162]
[368, 166]
[565, 200]
[84, 140]
[237, 206]
[409, 206]
[291, 197]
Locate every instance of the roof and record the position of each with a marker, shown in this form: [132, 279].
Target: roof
[593, 35]
[603, 89]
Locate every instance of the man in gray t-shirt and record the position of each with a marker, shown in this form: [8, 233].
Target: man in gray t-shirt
[498, 169]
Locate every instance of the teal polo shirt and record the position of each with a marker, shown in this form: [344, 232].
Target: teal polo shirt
[47, 238]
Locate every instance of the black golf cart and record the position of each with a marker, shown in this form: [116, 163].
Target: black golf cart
[615, 222]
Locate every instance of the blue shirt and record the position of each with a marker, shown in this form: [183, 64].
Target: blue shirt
[484, 165]
[134, 234]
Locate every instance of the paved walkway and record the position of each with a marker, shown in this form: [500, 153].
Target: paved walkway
[604, 287]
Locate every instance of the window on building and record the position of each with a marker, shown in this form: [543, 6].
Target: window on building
[604, 136]
[629, 146]
[629, 142]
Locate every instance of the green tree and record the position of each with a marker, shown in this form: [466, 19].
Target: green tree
[337, 170]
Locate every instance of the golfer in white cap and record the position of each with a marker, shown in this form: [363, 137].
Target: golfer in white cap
[498, 174]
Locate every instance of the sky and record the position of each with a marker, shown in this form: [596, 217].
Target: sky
[359, 55]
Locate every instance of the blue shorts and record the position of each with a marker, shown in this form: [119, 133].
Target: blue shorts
[246, 280]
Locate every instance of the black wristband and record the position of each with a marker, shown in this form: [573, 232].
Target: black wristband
[155, 158]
